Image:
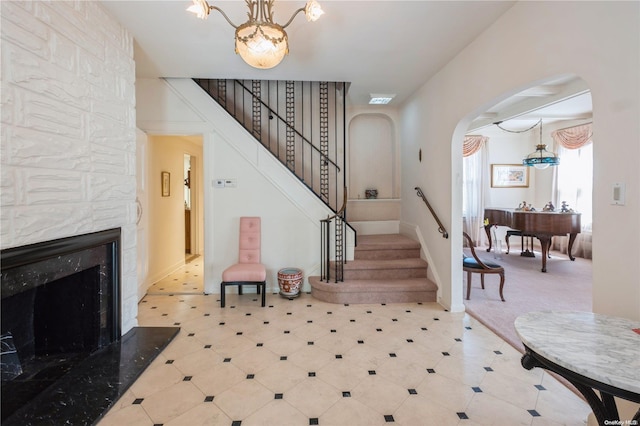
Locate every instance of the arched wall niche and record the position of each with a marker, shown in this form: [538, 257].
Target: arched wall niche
[372, 156]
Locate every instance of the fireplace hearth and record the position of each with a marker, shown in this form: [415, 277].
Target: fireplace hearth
[63, 360]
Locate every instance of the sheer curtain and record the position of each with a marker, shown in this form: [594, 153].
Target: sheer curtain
[574, 184]
[474, 166]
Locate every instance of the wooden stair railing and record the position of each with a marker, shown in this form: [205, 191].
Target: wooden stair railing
[441, 228]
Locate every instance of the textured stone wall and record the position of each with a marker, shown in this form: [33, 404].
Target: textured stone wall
[68, 129]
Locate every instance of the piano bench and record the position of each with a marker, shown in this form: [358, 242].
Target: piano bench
[524, 251]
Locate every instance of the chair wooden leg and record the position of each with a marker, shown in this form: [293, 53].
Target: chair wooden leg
[501, 286]
[264, 291]
[240, 289]
[482, 280]
[468, 285]
[222, 288]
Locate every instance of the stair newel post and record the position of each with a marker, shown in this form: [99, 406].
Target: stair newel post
[339, 248]
[325, 257]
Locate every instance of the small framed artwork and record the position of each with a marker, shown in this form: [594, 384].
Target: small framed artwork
[509, 176]
[166, 184]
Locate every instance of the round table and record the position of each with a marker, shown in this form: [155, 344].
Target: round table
[591, 351]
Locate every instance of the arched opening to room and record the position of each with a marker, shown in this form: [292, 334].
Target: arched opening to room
[556, 112]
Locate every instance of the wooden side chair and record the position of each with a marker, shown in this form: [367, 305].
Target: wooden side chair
[476, 265]
[248, 270]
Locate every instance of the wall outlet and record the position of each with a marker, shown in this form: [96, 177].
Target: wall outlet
[218, 183]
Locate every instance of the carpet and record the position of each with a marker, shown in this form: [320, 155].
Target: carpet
[566, 286]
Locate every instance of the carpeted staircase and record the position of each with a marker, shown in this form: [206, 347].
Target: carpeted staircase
[385, 269]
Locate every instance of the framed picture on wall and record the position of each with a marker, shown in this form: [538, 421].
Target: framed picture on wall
[509, 176]
[166, 184]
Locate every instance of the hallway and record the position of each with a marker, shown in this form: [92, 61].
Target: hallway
[186, 280]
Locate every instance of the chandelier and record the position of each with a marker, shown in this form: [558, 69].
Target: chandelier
[260, 42]
[541, 158]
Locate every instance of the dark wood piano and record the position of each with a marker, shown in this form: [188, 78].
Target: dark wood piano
[542, 225]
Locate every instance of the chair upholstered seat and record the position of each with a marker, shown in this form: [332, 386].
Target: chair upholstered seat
[470, 262]
[476, 265]
[245, 272]
[248, 270]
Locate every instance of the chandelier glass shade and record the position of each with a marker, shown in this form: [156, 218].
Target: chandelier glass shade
[541, 158]
[260, 42]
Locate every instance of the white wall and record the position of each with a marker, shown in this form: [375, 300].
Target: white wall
[68, 129]
[509, 148]
[264, 187]
[598, 41]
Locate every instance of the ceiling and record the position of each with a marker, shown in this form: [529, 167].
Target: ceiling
[388, 47]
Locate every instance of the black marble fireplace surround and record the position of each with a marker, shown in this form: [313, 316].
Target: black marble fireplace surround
[61, 311]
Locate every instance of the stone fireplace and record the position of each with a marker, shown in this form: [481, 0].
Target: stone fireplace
[64, 360]
[60, 304]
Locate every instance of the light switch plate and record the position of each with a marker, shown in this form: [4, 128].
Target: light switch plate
[618, 190]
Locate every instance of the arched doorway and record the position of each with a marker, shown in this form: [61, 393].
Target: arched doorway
[511, 130]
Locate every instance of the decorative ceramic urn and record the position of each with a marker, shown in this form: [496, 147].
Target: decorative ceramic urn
[290, 281]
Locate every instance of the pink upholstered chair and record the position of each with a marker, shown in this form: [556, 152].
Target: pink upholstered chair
[248, 270]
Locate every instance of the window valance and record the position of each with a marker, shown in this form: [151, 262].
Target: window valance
[473, 144]
[573, 137]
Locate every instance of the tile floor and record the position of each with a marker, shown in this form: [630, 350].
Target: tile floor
[306, 362]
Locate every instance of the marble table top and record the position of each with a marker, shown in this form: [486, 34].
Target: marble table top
[600, 347]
